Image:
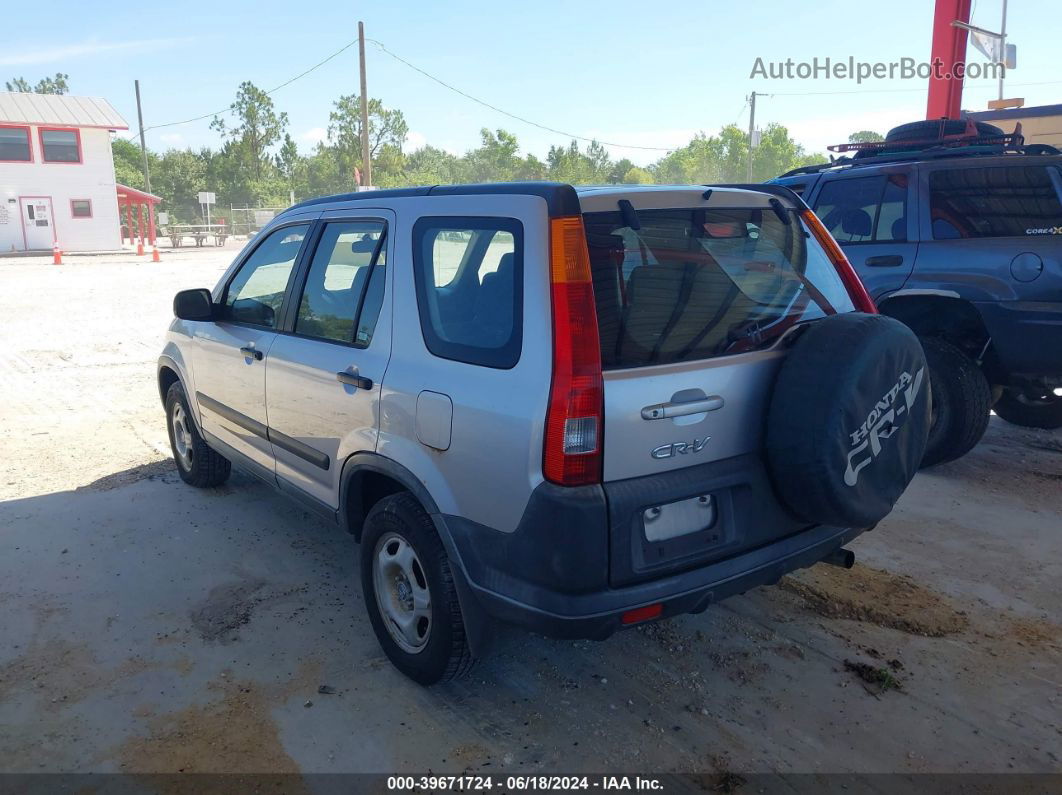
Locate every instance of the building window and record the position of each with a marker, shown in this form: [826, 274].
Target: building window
[60, 146]
[80, 208]
[15, 145]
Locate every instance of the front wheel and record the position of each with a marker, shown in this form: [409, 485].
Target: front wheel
[410, 594]
[1031, 407]
[197, 463]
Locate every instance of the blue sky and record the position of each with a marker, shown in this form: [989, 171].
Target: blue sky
[634, 73]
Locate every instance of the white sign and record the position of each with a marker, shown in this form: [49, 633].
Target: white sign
[207, 198]
[164, 218]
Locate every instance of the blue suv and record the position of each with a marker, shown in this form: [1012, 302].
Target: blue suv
[956, 230]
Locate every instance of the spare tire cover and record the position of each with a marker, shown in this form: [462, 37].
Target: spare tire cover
[848, 419]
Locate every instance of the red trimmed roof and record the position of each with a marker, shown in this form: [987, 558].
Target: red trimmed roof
[132, 194]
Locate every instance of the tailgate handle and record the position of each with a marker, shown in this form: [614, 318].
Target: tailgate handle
[662, 411]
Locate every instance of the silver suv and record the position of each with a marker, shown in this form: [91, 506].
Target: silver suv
[572, 410]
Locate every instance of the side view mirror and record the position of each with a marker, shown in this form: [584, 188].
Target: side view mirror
[193, 305]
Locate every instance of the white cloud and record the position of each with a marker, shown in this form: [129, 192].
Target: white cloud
[314, 135]
[414, 141]
[40, 55]
[172, 139]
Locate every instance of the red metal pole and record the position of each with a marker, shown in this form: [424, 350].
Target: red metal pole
[140, 226]
[151, 223]
[949, 50]
[129, 221]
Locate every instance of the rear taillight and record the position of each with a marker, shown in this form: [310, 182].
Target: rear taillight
[574, 427]
[856, 291]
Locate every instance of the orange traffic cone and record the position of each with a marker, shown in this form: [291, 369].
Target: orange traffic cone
[155, 254]
[57, 254]
[140, 248]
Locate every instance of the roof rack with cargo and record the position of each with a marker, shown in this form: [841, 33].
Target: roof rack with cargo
[931, 139]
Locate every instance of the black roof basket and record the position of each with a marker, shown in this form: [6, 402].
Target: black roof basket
[971, 136]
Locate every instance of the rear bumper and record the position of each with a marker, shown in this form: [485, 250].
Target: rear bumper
[551, 575]
[1026, 336]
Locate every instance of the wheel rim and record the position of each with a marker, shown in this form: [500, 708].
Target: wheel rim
[402, 593]
[182, 436]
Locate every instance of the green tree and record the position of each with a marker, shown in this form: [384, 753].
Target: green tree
[865, 137]
[290, 162]
[258, 126]
[47, 85]
[129, 164]
[637, 176]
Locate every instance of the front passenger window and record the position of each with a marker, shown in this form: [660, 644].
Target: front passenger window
[256, 292]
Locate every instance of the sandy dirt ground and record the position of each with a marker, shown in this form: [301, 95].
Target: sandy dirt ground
[149, 627]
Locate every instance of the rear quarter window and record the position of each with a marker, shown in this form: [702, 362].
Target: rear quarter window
[1007, 201]
[469, 276]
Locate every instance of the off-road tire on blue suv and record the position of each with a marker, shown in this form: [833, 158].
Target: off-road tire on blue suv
[1037, 408]
[445, 653]
[197, 463]
[962, 400]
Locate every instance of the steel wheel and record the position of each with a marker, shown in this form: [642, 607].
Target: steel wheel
[402, 592]
[182, 436]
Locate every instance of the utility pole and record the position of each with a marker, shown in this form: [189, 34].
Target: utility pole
[366, 163]
[752, 130]
[1003, 48]
[143, 146]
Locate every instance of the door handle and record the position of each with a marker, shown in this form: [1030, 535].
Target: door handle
[662, 411]
[252, 353]
[353, 379]
[884, 261]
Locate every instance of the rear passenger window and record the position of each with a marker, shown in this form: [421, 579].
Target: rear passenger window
[469, 276]
[346, 275]
[865, 209]
[1010, 201]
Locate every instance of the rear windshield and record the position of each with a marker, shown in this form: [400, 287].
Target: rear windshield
[695, 283]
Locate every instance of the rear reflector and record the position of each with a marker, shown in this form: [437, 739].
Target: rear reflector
[571, 453]
[857, 292]
[643, 613]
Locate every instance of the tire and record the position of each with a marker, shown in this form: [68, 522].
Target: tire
[961, 400]
[931, 129]
[1037, 408]
[849, 415]
[433, 646]
[197, 463]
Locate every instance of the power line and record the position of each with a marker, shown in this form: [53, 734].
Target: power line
[271, 91]
[522, 119]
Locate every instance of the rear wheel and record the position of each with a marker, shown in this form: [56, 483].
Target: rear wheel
[410, 594]
[197, 464]
[961, 400]
[1031, 407]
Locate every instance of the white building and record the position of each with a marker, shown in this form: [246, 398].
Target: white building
[57, 173]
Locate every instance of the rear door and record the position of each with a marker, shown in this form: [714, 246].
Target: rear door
[692, 296]
[875, 219]
[325, 372]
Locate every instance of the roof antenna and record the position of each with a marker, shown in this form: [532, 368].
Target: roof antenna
[707, 194]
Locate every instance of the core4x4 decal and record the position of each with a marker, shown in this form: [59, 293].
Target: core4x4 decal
[881, 423]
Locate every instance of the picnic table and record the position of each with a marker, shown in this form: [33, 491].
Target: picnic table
[198, 232]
